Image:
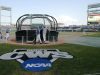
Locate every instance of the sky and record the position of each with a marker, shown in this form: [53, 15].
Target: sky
[65, 11]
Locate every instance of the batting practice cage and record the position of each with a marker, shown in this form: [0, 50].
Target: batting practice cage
[27, 25]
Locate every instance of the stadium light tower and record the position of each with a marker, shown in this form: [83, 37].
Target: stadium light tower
[3, 8]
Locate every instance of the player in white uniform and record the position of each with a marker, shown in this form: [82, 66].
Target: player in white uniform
[7, 35]
[44, 33]
[38, 39]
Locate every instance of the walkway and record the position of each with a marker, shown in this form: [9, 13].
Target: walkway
[77, 39]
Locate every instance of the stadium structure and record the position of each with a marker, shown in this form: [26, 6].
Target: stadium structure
[5, 18]
[93, 14]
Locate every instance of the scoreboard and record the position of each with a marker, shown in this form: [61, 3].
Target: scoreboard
[93, 17]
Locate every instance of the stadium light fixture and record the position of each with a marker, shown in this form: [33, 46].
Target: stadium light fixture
[5, 8]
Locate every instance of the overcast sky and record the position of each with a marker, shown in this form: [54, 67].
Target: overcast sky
[66, 11]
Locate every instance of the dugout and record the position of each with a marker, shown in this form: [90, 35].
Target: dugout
[27, 24]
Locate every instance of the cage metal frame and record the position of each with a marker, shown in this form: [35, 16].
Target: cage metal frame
[51, 20]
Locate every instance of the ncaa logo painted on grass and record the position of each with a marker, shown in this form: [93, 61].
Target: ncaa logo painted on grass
[35, 59]
[37, 64]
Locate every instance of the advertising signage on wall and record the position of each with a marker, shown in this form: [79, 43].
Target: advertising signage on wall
[35, 59]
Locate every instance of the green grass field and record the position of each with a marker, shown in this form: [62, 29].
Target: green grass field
[92, 34]
[86, 61]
